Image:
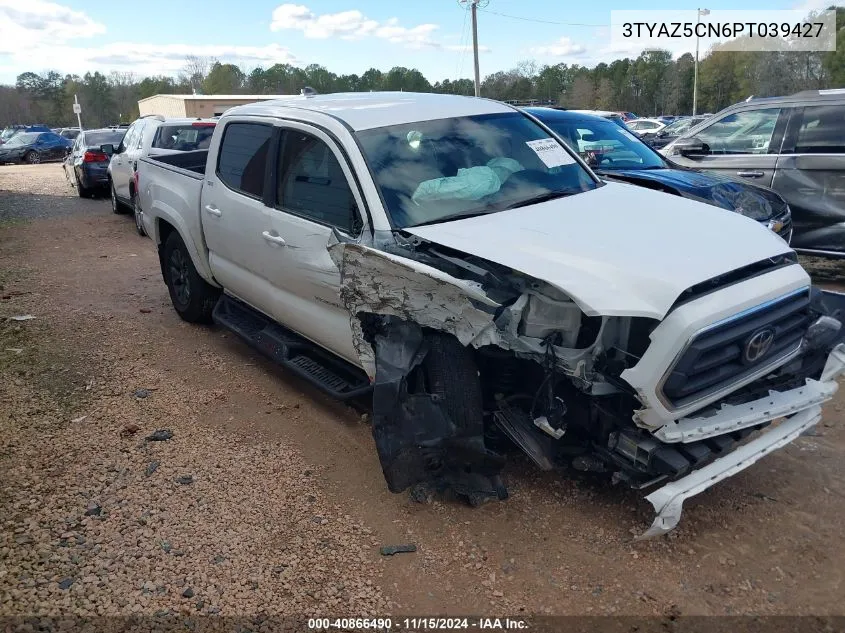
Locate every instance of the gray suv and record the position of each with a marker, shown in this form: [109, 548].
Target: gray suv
[795, 145]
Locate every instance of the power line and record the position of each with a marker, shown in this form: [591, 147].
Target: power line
[459, 67]
[518, 17]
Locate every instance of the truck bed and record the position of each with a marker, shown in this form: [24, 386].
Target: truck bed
[184, 161]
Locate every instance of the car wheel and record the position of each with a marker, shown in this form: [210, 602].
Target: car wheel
[192, 297]
[32, 157]
[116, 205]
[82, 192]
[139, 223]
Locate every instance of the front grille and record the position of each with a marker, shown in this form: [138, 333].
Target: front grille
[719, 356]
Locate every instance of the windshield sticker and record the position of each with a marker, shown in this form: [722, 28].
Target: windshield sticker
[550, 152]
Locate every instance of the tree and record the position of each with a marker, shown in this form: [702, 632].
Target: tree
[195, 71]
[223, 79]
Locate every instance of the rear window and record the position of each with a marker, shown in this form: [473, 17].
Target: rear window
[95, 139]
[822, 130]
[185, 137]
[243, 157]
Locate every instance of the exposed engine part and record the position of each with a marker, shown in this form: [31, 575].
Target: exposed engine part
[542, 423]
[517, 426]
[545, 316]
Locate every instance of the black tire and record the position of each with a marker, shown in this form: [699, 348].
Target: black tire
[116, 205]
[136, 211]
[32, 157]
[451, 373]
[192, 296]
[82, 192]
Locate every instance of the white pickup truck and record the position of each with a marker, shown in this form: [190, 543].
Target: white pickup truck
[450, 257]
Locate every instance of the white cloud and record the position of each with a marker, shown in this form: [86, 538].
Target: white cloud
[350, 25]
[33, 22]
[564, 47]
[145, 59]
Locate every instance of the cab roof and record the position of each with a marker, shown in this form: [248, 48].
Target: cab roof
[367, 110]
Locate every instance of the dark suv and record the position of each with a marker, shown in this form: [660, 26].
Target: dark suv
[795, 145]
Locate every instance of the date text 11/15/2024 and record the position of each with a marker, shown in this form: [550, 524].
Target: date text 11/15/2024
[416, 624]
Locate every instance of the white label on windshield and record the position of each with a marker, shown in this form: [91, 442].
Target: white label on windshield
[550, 152]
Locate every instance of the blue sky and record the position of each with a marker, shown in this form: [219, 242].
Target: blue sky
[346, 36]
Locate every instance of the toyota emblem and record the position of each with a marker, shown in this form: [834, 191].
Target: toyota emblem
[758, 345]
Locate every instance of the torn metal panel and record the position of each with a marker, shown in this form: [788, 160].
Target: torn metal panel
[376, 282]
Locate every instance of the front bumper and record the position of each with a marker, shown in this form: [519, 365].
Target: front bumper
[803, 403]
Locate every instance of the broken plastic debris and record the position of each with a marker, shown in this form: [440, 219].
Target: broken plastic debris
[80, 419]
[390, 550]
[161, 435]
[22, 317]
[16, 350]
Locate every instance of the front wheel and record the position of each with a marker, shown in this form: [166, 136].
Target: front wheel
[192, 296]
[32, 157]
[139, 221]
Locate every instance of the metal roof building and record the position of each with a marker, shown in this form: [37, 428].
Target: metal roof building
[202, 106]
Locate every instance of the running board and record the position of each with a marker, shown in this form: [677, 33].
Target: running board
[293, 352]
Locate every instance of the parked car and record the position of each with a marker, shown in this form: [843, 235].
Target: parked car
[86, 167]
[627, 116]
[795, 145]
[150, 135]
[615, 117]
[616, 154]
[69, 132]
[34, 147]
[672, 131]
[12, 130]
[449, 256]
[645, 126]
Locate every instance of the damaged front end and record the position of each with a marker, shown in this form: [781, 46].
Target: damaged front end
[469, 358]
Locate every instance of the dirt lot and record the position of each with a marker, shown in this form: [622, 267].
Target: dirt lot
[269, 496]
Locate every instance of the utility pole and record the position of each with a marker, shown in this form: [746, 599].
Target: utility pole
[700, 12]
[474, 9]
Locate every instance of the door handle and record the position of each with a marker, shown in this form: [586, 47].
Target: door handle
[213, 210]
[273, 239]
[750, 174]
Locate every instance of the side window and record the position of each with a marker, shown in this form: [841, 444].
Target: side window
[138, 140]
[311, 182]
[130, 135]
[243, 157]
[741, 133]
[822, 130]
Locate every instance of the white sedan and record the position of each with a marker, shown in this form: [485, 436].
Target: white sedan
[643, 126]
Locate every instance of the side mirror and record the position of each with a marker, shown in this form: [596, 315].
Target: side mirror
[690, 146]
[107, 149]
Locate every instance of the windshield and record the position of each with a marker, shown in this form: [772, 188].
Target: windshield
[678, 127]
[8, 133]
[604, 145]
[24, 138]
[432, 171]
[186, 137]
[109, 137]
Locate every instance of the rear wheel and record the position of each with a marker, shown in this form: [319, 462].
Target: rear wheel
[139, 222]
[192, 296]
[81, 191]
[32, 157]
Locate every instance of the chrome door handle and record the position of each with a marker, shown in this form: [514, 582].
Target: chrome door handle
[273, 239]
[213, 210]
[750, 174]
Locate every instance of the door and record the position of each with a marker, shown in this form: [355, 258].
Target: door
[235, 218]
[741, 145]
[811, 176]
[312, 198]
[119, 165]
[71, 160]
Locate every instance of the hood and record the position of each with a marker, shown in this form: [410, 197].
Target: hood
[756, 202]
[618, 250]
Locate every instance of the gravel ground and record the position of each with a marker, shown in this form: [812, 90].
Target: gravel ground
[268, 498]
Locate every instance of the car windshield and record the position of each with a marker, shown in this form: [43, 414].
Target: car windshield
[25, 138]
[678, 127]
[604, 145]
[184, 137]
[8, 133]
[104, 137]
[432, 171]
